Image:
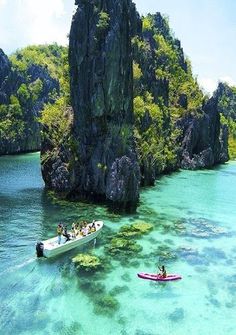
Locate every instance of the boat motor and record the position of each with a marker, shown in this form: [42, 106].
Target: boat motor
[39, 249]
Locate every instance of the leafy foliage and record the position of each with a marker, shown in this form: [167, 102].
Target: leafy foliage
[11, 123]
[165, 90]
[103, 21]
[137, 72]
[53, 58]
[155, 144]
[147, 23]
[56, 119]
[39, 71]
[173, 66]
[226, 97]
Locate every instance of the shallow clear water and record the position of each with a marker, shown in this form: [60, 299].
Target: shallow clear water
[193, 214]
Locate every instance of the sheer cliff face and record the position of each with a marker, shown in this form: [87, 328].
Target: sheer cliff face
[9, 80]
[205, 140]
[100, 60]
[225, 96]
[4, 66]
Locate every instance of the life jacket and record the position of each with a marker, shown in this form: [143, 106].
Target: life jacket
[59, 230]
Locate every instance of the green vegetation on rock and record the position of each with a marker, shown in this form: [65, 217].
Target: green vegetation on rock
[57, 119]
[53, 58]
[163, 94]
[37, 75]
[147, 23]
[226, 100]
[103, 21]
[12, 125]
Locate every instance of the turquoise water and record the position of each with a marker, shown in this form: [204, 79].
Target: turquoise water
[193, 216]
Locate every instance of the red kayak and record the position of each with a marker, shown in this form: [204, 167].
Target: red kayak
[157, 277]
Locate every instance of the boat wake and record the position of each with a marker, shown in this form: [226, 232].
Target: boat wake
[31, 260]
[18, 266]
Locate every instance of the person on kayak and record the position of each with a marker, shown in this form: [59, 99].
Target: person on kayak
[163, 271]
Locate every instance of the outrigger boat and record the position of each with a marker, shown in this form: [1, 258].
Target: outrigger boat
[51, 248]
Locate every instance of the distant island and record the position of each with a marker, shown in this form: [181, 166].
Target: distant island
[115, 110]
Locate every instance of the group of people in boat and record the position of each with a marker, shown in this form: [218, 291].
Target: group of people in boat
[77, 229]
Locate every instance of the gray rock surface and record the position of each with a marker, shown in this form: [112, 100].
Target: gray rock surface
[205, 140]
[103, 164]
[100, 57]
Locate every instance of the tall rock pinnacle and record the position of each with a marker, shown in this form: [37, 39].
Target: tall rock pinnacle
[100, 58]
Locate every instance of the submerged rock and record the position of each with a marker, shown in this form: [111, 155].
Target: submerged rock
[214, 253]
[135, 230]
[73, 329]
[165, 254]
[107, 305]
[143, 332]
[126, 277]
[87, 263]
[92, 288]
[187, 251]
[177, 315]
[123, 247]
[213, 301]
[119, 289]
[203, 228]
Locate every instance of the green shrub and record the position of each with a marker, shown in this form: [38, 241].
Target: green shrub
[147, 23]
[103, 21]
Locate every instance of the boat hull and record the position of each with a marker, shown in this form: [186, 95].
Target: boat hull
[51, 248]
[156, 277]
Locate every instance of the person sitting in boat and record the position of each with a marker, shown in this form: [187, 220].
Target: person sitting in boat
[65, 233]
[93, 227]
[81, 225]
[76, 229]
[84, 231]
[73, 229]
[59, 232]
[162, 273]
[80, 232]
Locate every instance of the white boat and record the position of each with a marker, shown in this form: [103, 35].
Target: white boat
[51, 248]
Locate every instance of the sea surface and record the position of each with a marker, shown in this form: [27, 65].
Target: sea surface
[193, 215]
